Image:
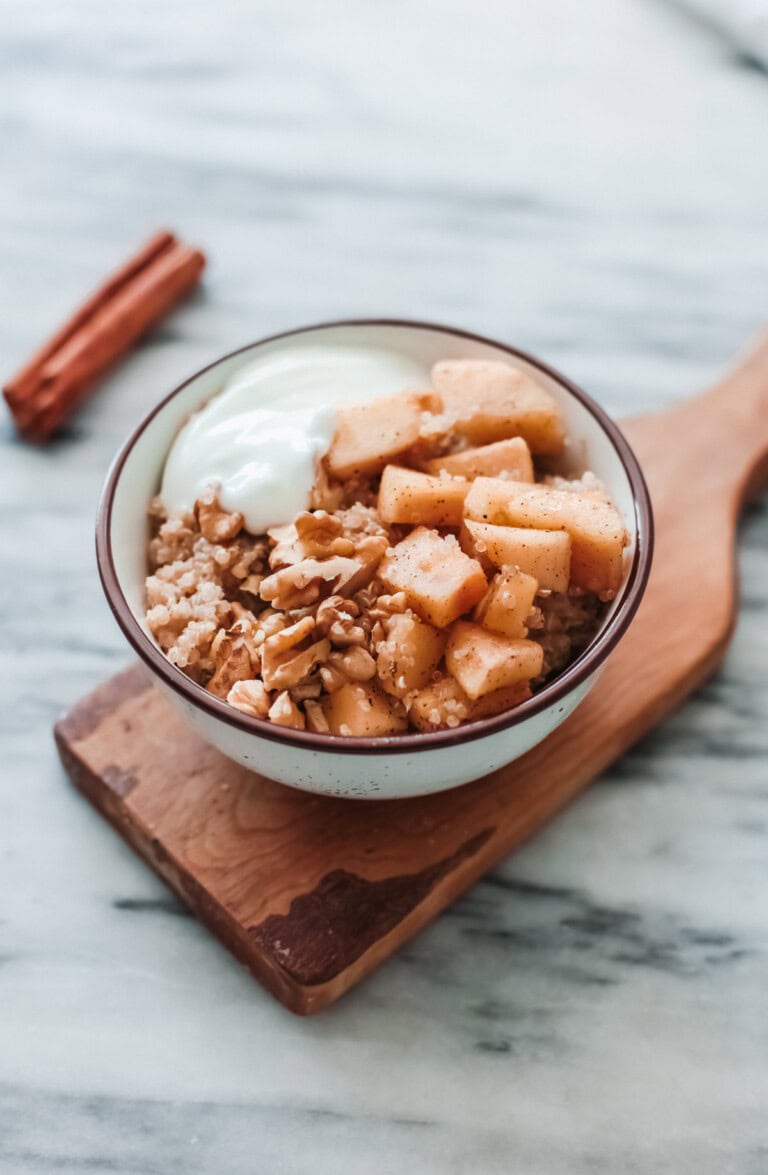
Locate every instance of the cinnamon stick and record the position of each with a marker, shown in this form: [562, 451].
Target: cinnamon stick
[62, 372]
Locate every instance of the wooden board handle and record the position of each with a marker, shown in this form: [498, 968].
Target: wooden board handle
[722, 433]
[737, 407]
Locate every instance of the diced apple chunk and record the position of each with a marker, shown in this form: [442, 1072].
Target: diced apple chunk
[482, 661]
[507, 603]
[369, 435]
[511, 458]
[475, 551]
[439, 580]
[544, 554]
[597, 532]
[409, 654]
[443, 704]
[363, 710]
[490, 401]
[488, 499]
[407, 496]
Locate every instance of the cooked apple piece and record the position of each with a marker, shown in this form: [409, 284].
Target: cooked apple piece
[511, 458]
[488, 499]
[475, 551]
[506, 605]
[482, 661]
[443, 704]
[362, 709]
[406, 496]
[544, 554]
[597, 532]
[369, 435]
[490, 401]
[439, 580]
[409, 654]
[498, 700]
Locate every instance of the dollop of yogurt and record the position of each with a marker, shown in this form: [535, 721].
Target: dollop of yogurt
[258, 440]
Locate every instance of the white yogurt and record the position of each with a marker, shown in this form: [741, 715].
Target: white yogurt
[259, 440]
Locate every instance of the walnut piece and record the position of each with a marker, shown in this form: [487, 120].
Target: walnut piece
[337, 619]
[285, 712]
[332, 678]
[233, 664]
[284, 663]
[388, 605]
[355, 663]
[312, 535]
[331, 610]
[251, 697]
[217, 525]
[319, 535]
[301, 584]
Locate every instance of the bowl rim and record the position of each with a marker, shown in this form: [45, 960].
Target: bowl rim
[588, 661]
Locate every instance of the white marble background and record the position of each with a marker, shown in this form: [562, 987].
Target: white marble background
[587, 180]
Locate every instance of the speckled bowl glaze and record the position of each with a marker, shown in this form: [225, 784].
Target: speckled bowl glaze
[367, 768]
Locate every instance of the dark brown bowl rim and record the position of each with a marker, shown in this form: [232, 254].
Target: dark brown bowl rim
[576, 673]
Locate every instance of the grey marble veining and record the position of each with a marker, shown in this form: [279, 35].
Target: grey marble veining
[589, 181]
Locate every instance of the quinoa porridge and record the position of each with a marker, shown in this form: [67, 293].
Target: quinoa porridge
[440, 572]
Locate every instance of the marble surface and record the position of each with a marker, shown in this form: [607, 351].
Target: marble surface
[589, 181]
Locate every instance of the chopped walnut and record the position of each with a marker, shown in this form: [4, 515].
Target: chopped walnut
[285, 551]
[367, 596]
[193, 593]
[354, 663]
[251, 697]
[336, 618]
[312, 535]
[288, 638]
[287, 657]
[371, 548]
[330, 610]
[233, 664]
[388, 605]
[293, 668]
[283, 662]
[344, 631]
[285, 712]
[319, 535]
[301, 584]
[217, 525]
[332, 678]
[269, 622]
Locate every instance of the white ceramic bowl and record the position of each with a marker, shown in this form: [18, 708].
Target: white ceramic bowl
[403, 765]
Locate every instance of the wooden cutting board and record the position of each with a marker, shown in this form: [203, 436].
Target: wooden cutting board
[313, 893]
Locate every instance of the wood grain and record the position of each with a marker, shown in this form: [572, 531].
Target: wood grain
[313, 893]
